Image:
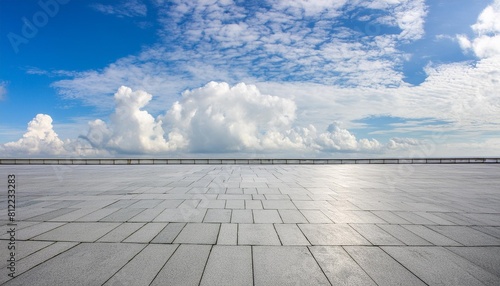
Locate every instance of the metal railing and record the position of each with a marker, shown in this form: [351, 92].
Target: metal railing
[121, 161]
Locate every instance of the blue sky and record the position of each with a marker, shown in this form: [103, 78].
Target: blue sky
[264, 78]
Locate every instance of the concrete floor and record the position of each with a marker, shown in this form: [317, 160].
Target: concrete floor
[254, 225]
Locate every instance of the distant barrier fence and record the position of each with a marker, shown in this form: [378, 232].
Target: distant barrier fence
[245, 161]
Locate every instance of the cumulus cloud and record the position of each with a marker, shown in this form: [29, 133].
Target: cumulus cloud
[486, 42]
[216, 118]
[40, 139]
[131, 129]
[220, 117]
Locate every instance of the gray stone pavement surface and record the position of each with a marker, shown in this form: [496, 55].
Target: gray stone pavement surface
[431, 224]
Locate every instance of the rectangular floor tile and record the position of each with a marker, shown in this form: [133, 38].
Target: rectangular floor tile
[404, 235]
[242, 216]
[266, 216]
[181, 215]
[146, 233]
[84, 264]
[466, 235]
[332, 234]
[339, 267]
[290, 234]
[185, 266]
[228, 234]
[218, 215]
[376, 235]
[436, 265]
[381, 267]
[431, 236]
[229, 265]
[200, 233]
[257, 234]
[290, 265]
[315, 216]
[121, 232]
[150, 260]
[169, 233]
[78, 231]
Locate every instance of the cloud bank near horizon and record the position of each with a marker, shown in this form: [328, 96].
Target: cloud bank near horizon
[214, 119]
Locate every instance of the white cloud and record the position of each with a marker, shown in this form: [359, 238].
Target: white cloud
[40, 139]
[131, 129]
[216, 118]
[486, 43]
[219, 117]
[128, 8]
[3, 90]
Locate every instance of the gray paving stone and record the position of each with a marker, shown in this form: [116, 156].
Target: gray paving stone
[381, 267]
[242, 216]
[23, 249]
[215, 204]
[84, 264]
[145, 204]
[290, 234]
[266, 216]
[278, 205]
[491, 230]
[149, 261]
[228, 234]
[169, 204]
[97, 215]
[466, 235]
[434, 218]
[287, 265]
[81, 231]
[120, 204]
[185, 266]
[189, 204]
[431, 236]
[36, 258]
[332, 234]
[122, 215]
[74, 215]
[487, 258]
[436, 265]
[121, 232]
[146, 215]
[292, 216]
[414, 218]
[200, 233]
[229, 265]
[181, 215]
[169, 233]
[34, 230]
[218, 215]
[376, 235]
[404, 235]
[257, 234]
[235, 204]
[315, 216]
[51, 215]
[253, 204]
[339, 267]
[390, 217]
[146, 233]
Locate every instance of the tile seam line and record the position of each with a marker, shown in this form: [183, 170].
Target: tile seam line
[355, 261]
[163, 266]
[404, 265]
[77, 243]
[126, 263]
